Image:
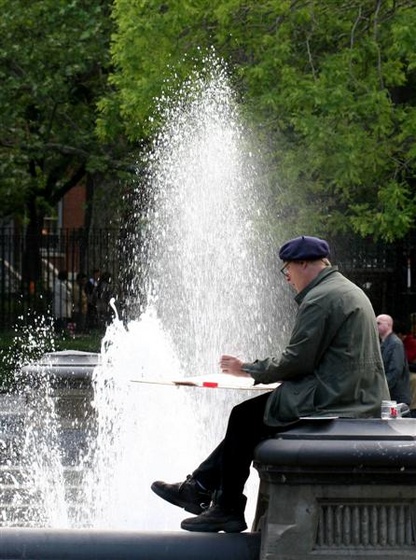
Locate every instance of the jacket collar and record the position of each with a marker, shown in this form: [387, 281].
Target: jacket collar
[325, 272]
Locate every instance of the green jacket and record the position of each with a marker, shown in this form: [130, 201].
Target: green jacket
[332, 364]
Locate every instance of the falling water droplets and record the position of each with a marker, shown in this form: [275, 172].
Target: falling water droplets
[207, 270]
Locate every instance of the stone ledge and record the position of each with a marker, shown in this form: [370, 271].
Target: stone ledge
[338, 488]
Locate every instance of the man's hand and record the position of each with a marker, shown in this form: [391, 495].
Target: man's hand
[232, 366]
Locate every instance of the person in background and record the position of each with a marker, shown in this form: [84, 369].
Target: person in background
[104, 295]
[79, 302]
[91, 291]
[62, 301]
[402, 329]
[394, 360]
[332, 365]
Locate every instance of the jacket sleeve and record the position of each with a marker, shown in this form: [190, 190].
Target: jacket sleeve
[303, 352]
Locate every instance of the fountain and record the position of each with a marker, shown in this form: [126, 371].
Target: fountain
[209, 272]
[211, 288]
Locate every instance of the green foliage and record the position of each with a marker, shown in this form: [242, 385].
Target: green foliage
[155, 43]
[330, 83]
[54, 60]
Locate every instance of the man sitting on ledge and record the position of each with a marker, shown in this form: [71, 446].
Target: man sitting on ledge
[331, 366]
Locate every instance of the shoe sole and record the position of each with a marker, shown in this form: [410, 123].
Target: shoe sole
[231, 527]
[191, 508]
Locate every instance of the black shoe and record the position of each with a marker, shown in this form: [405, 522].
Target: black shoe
[188, 494]
[216, 519]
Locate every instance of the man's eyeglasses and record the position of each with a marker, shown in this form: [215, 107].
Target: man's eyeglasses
[284, 270]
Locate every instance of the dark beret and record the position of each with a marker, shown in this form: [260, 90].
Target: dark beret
[304, 248]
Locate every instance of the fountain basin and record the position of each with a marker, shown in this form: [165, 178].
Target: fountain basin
[68, 376]
[55, 406]
[334, 488]
[68, 368]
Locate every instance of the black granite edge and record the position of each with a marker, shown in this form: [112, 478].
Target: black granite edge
[349, 428]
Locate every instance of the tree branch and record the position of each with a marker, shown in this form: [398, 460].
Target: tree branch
[375, 26]
[308, 48]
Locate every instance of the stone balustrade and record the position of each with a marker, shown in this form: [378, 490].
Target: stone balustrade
[336, 488]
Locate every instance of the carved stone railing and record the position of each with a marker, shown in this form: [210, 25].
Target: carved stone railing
[337, 488]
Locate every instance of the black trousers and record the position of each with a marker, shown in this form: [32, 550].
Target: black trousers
[227, 468]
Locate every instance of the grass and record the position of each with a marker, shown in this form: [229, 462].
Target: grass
[19, 347]
[85, 342]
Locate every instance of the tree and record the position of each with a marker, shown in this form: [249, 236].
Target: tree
[54, 62]
[330, 83]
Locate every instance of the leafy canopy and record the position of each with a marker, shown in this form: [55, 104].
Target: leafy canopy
[54, 60]
[331, 85]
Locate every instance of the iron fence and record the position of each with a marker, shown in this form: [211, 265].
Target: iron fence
[387, 273]
[24, 294]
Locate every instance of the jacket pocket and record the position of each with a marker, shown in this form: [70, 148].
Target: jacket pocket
[291, 400]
